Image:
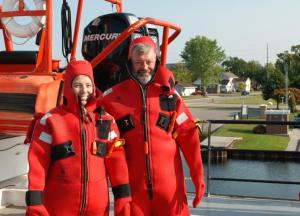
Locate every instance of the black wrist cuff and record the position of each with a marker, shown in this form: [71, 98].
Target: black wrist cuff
[121, 191]
[34, 197]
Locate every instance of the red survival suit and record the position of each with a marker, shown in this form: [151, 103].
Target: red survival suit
[71, 152]
[156, 125]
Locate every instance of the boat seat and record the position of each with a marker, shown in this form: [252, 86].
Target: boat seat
[18, 57]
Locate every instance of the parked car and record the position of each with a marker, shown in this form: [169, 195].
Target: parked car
[243, 93]
[297, 119]
[198, 92]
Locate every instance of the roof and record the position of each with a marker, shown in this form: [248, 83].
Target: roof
[240, 79]
[197, 82]
[170, 66]
[229, 75]
[224, 82]
[185, 84]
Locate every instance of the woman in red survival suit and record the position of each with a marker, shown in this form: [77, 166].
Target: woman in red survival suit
[72, 149]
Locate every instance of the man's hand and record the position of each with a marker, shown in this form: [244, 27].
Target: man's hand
[122, 207]
[36, 210]
[199, 194]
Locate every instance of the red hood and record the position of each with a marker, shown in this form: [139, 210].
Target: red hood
[75, 68]
[142, 40]
[164, 78]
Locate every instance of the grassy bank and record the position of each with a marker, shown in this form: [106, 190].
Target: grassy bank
[252, 141]
[249, 100]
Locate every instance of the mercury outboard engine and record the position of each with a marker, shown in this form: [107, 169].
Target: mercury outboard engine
[101, 32]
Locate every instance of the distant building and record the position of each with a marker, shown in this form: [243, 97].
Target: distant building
[227, 76]
[213, 88]
[198, 84]
[185, 89]
[231, 83]
[227, 86]
[246, 81]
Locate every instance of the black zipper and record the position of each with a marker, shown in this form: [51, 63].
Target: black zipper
[146, 137]
[148, 158]
[84, 163]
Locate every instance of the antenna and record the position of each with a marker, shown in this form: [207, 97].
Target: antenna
[267, 66]
[267, 54]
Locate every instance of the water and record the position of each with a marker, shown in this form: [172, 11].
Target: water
[252, 169]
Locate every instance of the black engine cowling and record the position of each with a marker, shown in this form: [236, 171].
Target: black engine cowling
[99, 33]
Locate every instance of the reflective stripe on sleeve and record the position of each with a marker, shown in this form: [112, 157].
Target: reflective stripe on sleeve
[45, 137]
[112, 135]
[44, 118]
[107, 92]
[182, 117]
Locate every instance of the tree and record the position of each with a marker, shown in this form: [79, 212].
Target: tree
[201, 55]
[274, 80]
[255, 71]
[252, 69]
[235, 65]
[291, 61]
[181, 73]
[241, 86]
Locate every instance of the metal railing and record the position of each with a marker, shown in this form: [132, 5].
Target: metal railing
[210, 149]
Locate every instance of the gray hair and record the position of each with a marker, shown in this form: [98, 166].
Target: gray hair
[140, 49]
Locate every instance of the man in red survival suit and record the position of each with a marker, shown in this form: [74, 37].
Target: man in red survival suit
[156, 125]
[72, 149]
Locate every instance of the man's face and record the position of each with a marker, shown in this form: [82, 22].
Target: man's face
[143, 66]
[83, 87]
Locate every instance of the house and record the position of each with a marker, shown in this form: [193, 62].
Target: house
[198, 84]
[185, 89]
[227, 76]
[232, 83]
[227, 86]
[245, 83]
[226, 81]
[213, 88]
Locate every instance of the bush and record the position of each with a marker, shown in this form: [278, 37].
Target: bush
[259, 129]
[292, 103]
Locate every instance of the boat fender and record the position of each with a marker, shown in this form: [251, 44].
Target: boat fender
[21, 30]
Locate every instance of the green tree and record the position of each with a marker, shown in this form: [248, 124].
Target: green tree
[252, 69]
[201, 55]
[235, 65]
[291, 61]
[255, 71]
[274, 80]
[213, 74]
[181, 73]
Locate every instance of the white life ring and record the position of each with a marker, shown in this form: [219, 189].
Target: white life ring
[18, 30]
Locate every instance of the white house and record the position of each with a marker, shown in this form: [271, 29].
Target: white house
[231, 82]
[246, 81]
[226, 81]
[185, 89]
[228, 76]
[227, 86]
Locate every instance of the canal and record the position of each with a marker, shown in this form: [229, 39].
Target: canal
[253, 169]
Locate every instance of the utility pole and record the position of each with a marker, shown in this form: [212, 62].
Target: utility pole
[267, 66]
[286, 70]
[267, 54]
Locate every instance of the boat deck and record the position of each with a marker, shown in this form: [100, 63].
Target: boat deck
[220, 206]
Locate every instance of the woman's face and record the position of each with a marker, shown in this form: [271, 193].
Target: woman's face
[83, 87]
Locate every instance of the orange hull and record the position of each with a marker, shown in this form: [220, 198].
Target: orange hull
[23, 95]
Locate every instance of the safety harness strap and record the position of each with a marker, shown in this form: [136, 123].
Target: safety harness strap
[61, 151]
[100, 149]
[34, 197]
[121, 191]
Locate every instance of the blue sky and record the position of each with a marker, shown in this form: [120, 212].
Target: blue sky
[243, 28]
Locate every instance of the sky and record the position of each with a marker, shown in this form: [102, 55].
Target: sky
[242, 28]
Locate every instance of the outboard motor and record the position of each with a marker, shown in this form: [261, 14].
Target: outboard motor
[99, 33]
